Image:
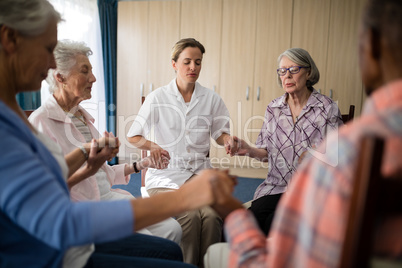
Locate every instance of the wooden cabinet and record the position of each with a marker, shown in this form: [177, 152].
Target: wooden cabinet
[131, 69]
[343, 74]
[310, 30]
[328, 30]
[254, 33]
[273, 36]
[147, 31]
[237, 57]
[202, 20]
[163, 33]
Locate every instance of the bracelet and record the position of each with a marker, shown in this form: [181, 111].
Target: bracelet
[84, 151]
[135, 167]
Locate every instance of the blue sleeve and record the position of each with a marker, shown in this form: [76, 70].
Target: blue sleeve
[35, 198]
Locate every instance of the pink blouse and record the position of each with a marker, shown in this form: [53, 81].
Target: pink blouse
[53, 122]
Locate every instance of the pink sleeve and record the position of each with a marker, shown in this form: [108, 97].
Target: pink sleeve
[116, 174]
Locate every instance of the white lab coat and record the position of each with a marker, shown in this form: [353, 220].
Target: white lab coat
[184, 130]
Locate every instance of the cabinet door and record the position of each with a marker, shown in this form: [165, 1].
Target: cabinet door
[310, 32]
[274, 28]
[132, 49]
[343, 74]
[202, 20]
[237, 58]
[163, 33]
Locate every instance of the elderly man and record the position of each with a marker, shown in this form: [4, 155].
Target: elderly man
[310, 223]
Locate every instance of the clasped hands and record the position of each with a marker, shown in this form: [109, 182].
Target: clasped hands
[102, 150]
[211, 187]
[236, 146]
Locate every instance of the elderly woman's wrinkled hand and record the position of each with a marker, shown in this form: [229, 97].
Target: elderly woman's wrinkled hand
[222, 188]
[199, 191]
[110, 140]
[97, 157]
[158, 158]
[237, 146]
[231, 145]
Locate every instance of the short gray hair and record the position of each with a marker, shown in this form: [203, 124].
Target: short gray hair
[29, 18]
[65, 55]
[302, 58]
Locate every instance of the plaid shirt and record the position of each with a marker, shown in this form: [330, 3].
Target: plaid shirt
[285, 141]
[310, 221]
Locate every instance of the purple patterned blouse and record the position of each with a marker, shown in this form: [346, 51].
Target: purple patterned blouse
[285, 141]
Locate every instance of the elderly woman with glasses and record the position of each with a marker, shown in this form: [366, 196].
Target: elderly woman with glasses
[294, 122]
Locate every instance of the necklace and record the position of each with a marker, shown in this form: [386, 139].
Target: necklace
[78, 117]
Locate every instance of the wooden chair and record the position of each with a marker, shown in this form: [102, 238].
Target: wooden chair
[350, 115]
[373, 196]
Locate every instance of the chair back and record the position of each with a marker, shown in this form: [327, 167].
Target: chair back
[349, 116]
[373, 196]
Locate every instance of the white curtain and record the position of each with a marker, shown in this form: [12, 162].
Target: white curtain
[81, 23]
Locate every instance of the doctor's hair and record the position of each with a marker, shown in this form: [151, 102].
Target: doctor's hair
[184, 43]
[65, 55]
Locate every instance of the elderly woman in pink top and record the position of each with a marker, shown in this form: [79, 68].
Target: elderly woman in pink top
[69, 125]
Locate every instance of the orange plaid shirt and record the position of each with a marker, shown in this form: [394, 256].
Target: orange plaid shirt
[311, 217]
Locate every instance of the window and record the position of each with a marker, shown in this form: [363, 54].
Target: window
[81, 23]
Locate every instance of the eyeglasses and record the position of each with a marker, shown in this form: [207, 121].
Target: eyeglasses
[292, 70]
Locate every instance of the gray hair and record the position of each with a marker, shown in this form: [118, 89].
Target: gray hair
[29, 18]
[302, 58]
[65, 55]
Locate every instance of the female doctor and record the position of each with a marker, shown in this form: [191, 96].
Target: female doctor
[185, 115]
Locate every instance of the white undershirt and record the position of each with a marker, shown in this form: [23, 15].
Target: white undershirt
[104, 185]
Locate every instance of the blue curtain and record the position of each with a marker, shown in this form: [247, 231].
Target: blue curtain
[108, 25]
[29, 100]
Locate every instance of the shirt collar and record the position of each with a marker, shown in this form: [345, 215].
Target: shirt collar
[313, 101]
[55, 112]
[174, 90]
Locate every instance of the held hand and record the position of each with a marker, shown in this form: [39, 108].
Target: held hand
[237, 146]
[223, 188]
[231, 145]
[110, 140]
[97, 157]
[158, 158]
[199, 192]
[148, 163]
